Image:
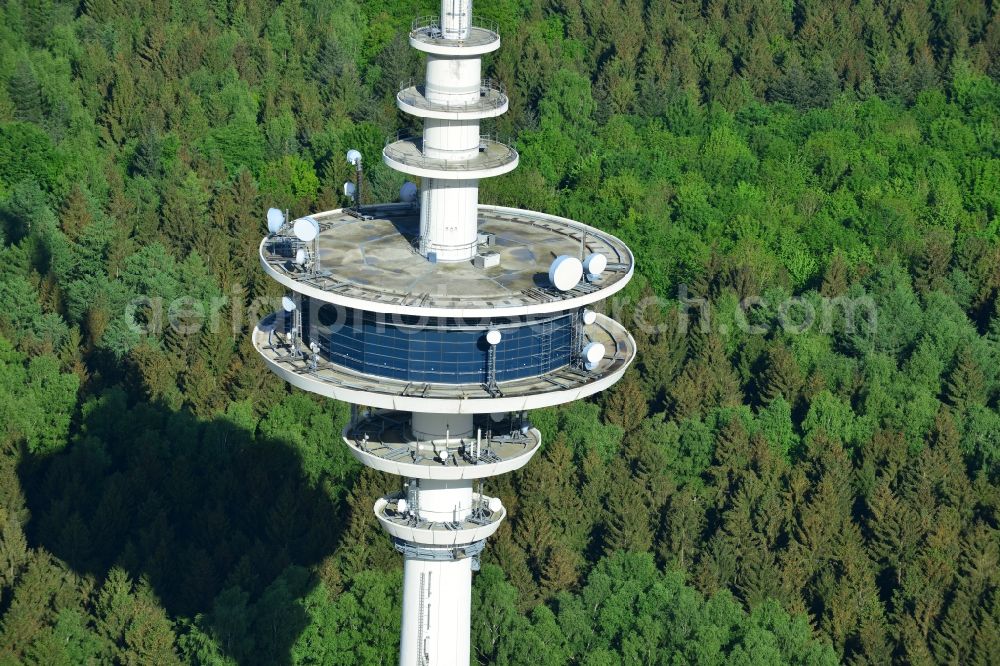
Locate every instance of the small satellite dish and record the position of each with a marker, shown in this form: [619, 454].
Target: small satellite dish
[493, 337]
[306, 229]
[565, 272]
[593, 353]
[301, 256]
[353, 157]
[497, 417]
[408, 192]
[275, 220]
[401, 506]
[350, 189]
[494, 504]
[525, 429]
[595, 264]
[589, 317]
[287, 304]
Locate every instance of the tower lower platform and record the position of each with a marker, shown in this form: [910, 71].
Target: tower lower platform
[440, 527]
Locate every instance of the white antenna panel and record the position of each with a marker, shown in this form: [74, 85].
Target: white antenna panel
[301, 257]
[275, 220]
[595, 264]
[408, 192]
[287, 304]
[593, 353]
[306, 229]
[565, 272]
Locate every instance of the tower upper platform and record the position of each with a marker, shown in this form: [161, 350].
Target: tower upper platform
[491, 102]
[372, 265]
[427, 35]
[407, 155]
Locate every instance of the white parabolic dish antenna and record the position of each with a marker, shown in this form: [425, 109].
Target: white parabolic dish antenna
[287, 304]
[565, 272]
[275, 220]
[589, 317]
[593, 353]
[493, 337]
[353, 157]
[595, 264]
[306, 229]
[350, 189]
[301, 256]
[408, 192]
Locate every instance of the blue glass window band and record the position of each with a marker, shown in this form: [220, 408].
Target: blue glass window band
[445, 351]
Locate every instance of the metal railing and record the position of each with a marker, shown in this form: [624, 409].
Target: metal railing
[492, 95]
[494, 151]
[431, 27]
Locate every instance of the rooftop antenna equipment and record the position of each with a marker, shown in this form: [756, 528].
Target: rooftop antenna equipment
[408, 192]
[275, 220]
[354, 159]
[565, 272]
[594, 265]
[306, 229]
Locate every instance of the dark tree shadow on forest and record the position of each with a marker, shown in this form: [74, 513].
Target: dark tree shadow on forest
[195, 507]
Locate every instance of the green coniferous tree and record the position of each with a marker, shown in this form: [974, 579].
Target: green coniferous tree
[835, 278]
[965, 385]
[782, 375]
[26, 93]
[628, 522]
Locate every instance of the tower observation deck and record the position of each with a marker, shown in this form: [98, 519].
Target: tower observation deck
[444, 322]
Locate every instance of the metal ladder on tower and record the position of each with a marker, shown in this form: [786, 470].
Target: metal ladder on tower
[413, 500]
[545, 351]
[421, 648]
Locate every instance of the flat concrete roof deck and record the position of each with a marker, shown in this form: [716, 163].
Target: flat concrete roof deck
[373, 264]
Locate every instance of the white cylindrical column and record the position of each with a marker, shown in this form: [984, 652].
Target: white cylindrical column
[438, 427]
[454, 140]
[443, 501]
[452, 80]
[437, 612]
[449, 219]
[456, 18]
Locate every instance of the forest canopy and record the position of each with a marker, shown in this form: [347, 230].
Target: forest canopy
[802, 467]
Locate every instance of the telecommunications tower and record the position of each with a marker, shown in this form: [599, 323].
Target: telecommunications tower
[443, 322]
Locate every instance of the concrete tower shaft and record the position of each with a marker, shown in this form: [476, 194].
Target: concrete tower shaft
[456, 19]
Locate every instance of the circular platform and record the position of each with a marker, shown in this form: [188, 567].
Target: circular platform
[426, 36]
[552, 388]
[406, 155]
[383, 442]
[408, 529]
[372, 265]
[492, 102]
